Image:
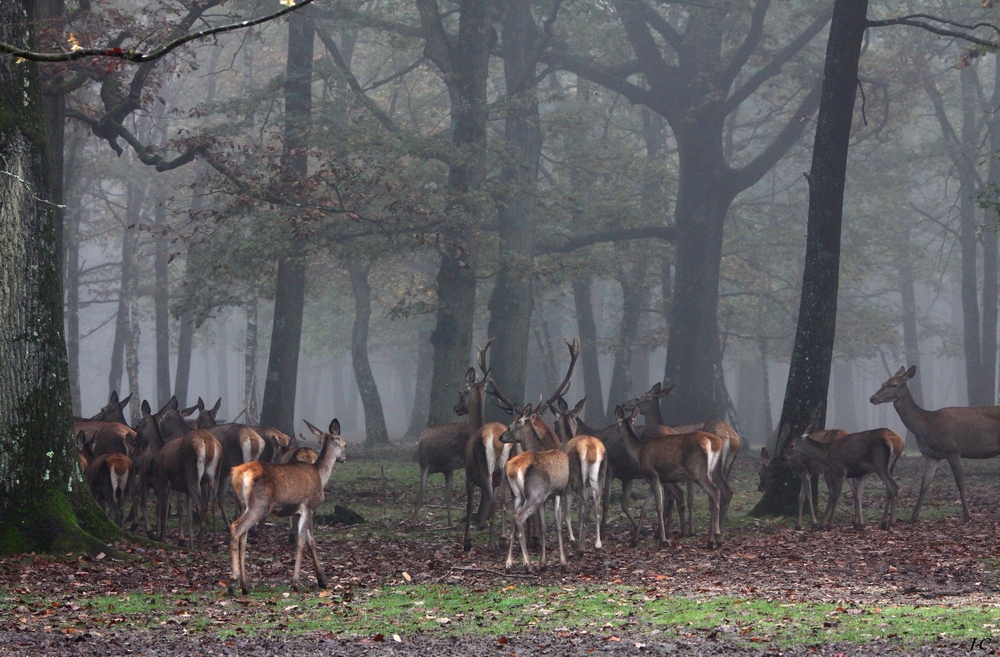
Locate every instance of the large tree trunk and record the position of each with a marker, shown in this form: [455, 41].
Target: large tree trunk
[464, 62]
[633, 284]
[990, 265]
[511, 302]
[278, 408]
[375, 431]
[41, 492]
[809, 378]
[587, 328]
[71, 284]
[250, 360]
[161, 299]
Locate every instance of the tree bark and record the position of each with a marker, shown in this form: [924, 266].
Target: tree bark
[587, 328]
[222, 365]
[123, 340]
[278, 408]
[633, 284]
[71, 285]
[511, 303]
[161, 299]
[812, 353]
[375, 431]
[911, 340]
[41, 491]
[464, 63]
[250, 360]
[990, 264]
[421, 385]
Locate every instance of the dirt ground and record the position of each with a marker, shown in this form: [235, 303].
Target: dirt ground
[938, 561]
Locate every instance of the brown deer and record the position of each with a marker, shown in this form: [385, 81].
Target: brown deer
[283, 489]
[649, 408]
[853, 456]
[113, 411]
[276, 444]
[588, 466]
[108, 476]
[945, 434]
[240, 444]
[803, 468]
[535, 476]
[671, 459]
[153, 431]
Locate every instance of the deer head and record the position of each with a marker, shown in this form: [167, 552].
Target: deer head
[770, 469]
[206, 416]
[894, 387]
[113, 410]
[566, 419]
[338, 444]
[648, 402]
[517, 431]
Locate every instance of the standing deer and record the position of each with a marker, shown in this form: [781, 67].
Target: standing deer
[108, 476]
[948, 434]
[240, 444]
[107, 431]
[803, 468]
[588, 466]
[535, 476]
[189, 465]
[485, 455]
[153, 431]
[671, 459]
[854, 456]
[649, 407]
[283, 489]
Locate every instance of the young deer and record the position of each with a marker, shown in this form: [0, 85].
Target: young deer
[189, 465]
[950, 434]
[588, 467]
[535, 476]
[283, 489]
[671, 459]
[805, 469]
[108, 476]
[853, 456]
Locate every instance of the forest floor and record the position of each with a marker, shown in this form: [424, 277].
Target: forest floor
[930, 588]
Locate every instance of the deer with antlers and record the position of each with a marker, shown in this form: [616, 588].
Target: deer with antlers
[588, 465]
[283, 489]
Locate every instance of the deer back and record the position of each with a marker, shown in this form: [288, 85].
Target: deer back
[106, 437]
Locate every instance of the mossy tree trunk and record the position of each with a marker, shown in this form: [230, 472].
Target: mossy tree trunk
[42, 501]
[812, 353]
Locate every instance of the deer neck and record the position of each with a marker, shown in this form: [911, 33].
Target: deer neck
[911, 414]
[631, 442]
[477, 410]
[327, 457]
[541, 438]
[653, 417]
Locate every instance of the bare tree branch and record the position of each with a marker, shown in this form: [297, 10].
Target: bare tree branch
[138, 57]
[667, 233]
[742, 54]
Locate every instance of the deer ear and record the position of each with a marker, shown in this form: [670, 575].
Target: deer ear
[579, 406]
[113, 397]
[666, 391]
[635, 412]
[619, 414]
[173, 404]
[334, 427]
[899, 372]
[316, 432]
[201, 404]
[146, 410]
[911, 372]
[655, 390]
[526, 411]
[81, 438]
[123, 403]
[218, 405]
[561, 405]
[764, 456]
[470, 376]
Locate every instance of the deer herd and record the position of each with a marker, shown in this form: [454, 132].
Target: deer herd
[529, 459]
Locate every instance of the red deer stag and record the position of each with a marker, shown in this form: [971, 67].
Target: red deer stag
[108, 476]
[535, 476]
[853, 456]
[588, 466]
[282, 489]
[485, 455]
[950, 434]
[672, 459]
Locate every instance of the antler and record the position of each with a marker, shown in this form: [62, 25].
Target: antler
[481, 356]
[501, 400]
[574, 353]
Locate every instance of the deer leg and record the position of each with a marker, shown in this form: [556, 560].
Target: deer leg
[689, 526]
[220, 498]
[803, 491]
[857, 485]
[300, 546]
[513, 535]
[311, 540]
[606, 496]
[836, 484]
[470, 498]
[448, 479]
[891, 491]
[642, 516]
[602, 478]
[544, 533]
[714, 538]
[562, 553]
[656, 489]
[569, 519]
[626, 496]
[725, 497]
[930, 467]
[424, 472]
[955, 461]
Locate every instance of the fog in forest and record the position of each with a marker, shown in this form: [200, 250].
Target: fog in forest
[376, 206]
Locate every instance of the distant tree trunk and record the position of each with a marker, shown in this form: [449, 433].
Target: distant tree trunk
[41, 491]
[844, 397]
[222, 359]
[809, 377]
[464, 63]
[250, 360]
[71, 285]
[161, 300]
[911, 340]
[511, 303]
[990, 265]
[421, 386]
[375, 431]
[633, 284]
[278, 408]
[587, 327]
[766, 381]
[128, 288]
[752, 403]
[185, 342]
